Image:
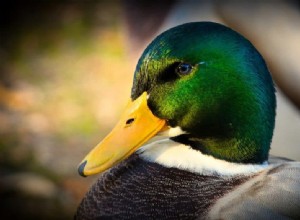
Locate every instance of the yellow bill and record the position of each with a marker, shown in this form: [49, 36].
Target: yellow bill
[136, 126]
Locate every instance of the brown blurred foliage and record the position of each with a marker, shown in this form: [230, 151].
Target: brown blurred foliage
[64, 74]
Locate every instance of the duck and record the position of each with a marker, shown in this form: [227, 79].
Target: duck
[193, 141]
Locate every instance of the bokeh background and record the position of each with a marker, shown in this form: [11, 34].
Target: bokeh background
[66, 70]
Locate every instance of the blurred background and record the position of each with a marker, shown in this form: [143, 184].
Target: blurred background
[65, 75]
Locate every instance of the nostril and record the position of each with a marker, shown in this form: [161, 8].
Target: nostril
[129, 121]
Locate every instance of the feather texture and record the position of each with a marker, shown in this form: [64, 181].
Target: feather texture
[273, 194]
[138, 189]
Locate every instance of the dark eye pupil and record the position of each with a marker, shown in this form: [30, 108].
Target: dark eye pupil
[184, 68]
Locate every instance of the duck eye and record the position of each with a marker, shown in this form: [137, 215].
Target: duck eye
[184, 69]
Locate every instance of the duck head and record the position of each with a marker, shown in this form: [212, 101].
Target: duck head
[205, 81]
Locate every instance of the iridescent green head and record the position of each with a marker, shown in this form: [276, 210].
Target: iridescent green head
[212, 83]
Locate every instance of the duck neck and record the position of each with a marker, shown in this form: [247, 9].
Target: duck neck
[234, 139]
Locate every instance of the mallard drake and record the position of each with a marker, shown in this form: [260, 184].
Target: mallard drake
[207, 91]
